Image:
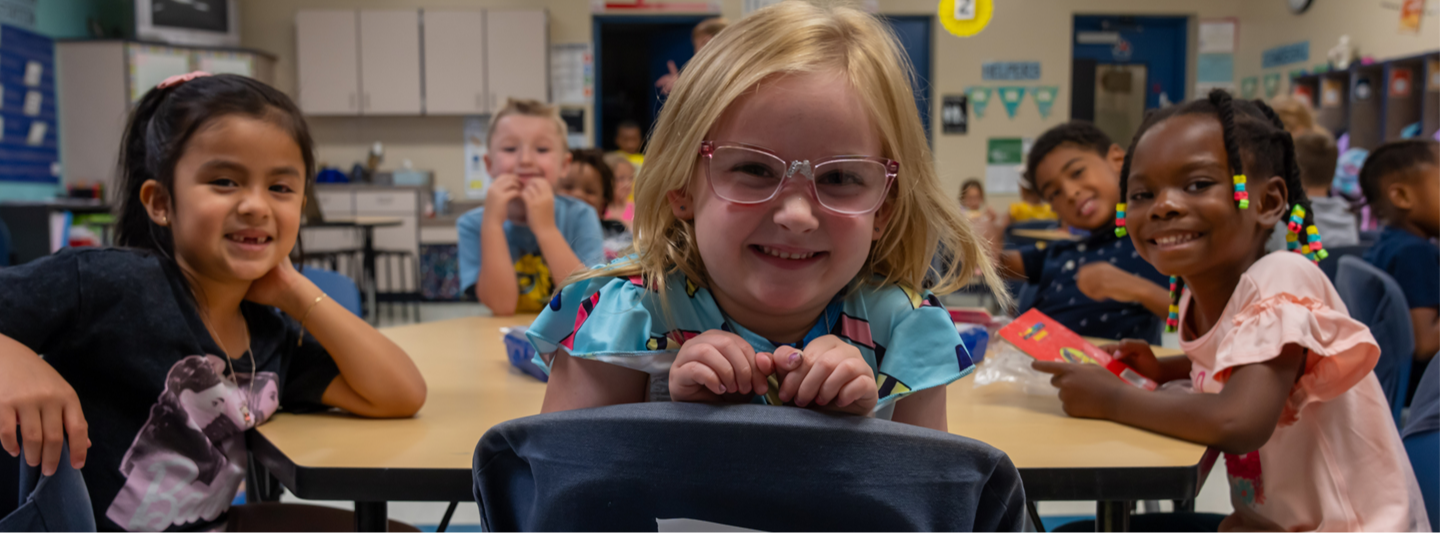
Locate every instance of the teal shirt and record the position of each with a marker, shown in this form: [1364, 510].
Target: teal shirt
[906, 336]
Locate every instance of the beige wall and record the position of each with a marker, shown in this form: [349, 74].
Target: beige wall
[1373, 27]
[1022, 30]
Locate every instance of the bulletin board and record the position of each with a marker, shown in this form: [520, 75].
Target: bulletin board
[29, 146]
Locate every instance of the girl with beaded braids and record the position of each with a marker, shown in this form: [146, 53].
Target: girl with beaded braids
[1281, 373]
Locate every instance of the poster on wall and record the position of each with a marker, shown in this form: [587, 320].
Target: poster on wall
[1004, 162]
[1011, 97]
[1249, 87]
[1400, 82]
[1215, 71]
[954, 114]
[476, 179]
[1217, 36]
[1285, 55]
[1410, 12]
[1010, 70]
[572, 73]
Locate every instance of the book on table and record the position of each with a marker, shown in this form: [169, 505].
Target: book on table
[1043, 338]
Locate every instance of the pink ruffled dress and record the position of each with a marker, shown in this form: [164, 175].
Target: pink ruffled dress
[1335, 461]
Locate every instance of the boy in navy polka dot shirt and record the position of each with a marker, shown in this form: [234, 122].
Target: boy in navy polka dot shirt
[1098, 286]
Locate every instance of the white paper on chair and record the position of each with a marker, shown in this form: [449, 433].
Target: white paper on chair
[664, 525]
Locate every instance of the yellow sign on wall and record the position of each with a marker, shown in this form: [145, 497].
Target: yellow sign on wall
[964, 18]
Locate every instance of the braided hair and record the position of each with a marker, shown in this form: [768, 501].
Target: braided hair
[1254, 138]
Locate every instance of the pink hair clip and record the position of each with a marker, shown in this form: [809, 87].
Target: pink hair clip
[181, 78]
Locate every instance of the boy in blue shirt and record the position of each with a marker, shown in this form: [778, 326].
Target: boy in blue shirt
[1401, 181]
[1098, 286]
[526, 239]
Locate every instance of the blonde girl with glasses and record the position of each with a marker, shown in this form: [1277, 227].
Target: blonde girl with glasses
[785, 223]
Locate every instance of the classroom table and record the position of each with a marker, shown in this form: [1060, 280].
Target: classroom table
[1046, 234]
[334, 456]
[367, 226]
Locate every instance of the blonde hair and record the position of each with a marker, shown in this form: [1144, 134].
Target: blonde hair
[709, 27]
[1297, 115]
[526, 108]
[793, 37]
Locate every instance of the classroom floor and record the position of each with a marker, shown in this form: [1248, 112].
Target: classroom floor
[1214, 495]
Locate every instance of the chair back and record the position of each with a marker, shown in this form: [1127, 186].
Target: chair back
[337, 286]
[1375, 299]
[4, 245]
[752, 466]
[54, 503]
[1422, 440]
[1331, 264]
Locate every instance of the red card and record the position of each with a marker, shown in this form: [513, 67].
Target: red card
[1043, 338]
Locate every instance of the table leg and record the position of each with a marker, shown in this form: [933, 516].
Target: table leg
[371, 516]
[1113, 515]
[368, 261]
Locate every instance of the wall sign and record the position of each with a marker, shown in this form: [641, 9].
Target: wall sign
[1010, 70]
[1285, 55]
[963, 18]
[955, 114]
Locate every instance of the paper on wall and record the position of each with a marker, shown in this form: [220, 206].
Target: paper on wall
[476, 179]
[1217, 36]
[572, 73]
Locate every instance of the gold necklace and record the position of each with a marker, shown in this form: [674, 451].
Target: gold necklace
[244, 402]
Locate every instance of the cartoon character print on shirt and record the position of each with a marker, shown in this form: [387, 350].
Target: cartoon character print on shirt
[186, 463]
[533, 275]
[1246, 485]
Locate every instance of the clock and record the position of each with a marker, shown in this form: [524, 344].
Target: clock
[1299, 6]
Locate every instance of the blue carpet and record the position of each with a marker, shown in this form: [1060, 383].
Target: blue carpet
[1051, 522]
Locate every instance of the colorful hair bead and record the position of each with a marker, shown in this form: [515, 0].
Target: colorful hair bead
[1241, 197]
[1292, 242]
[1172, 322]
[1120, 220]
[1297, 218]
[1313, 237]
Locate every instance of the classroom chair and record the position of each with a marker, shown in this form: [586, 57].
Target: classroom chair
[620, 468]
[4, 245]
[1331, 264]
[338, 287]
[54, 503]
[1422, 441]
[1375, 299]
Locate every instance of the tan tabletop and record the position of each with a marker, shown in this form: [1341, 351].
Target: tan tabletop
[370, 221]
[473, 387]
[1045, 234]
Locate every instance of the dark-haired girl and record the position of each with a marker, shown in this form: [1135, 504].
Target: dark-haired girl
[163, 351]
[1281, 372]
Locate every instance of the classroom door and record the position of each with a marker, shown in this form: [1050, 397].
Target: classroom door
[913, 31]
[1146, 56]
[631, 53]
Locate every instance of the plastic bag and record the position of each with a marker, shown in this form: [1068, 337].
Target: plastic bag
[1007, 364]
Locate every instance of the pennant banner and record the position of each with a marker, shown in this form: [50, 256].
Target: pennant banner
[1044, 98]
[1272, 84]
[1249, 87]
[979, 98]
[1011, 97]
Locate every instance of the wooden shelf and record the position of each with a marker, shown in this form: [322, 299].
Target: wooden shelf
[1372, 115]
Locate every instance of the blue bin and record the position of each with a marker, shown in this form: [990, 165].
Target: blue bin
[976, 339]
[522, 353]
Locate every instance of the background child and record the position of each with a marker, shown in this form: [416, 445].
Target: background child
[972, 204]
[629, 138]
[745, 269]
[1317, 156]
[517, 247]
[700, 36]
[1288, 392]
[163, 353]
[1401, 181]
[590, 180]
[1030, 208]
[622, 204]
[1098, 286]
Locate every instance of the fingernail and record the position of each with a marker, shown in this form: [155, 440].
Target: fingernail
[722, 388]
[794, 357]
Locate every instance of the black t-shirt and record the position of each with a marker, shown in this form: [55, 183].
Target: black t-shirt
[166, 430]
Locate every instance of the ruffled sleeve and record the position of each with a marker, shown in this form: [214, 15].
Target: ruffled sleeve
[605, 319]
[1341, 350]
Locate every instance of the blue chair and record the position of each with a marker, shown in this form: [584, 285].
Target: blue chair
[54, 503]
[338, 287]
[1331, 265]
[1422, 440]
[1375, 299]
[4, 245]
[619, 468]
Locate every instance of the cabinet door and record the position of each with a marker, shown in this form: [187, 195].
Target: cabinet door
[516, 55]
[455, 62]
[328, 62]
[390, 62]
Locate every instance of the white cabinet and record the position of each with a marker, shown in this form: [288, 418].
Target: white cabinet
[369, 62]
[327, 59]
[516, 56]
[454, 64]
[389, 62]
